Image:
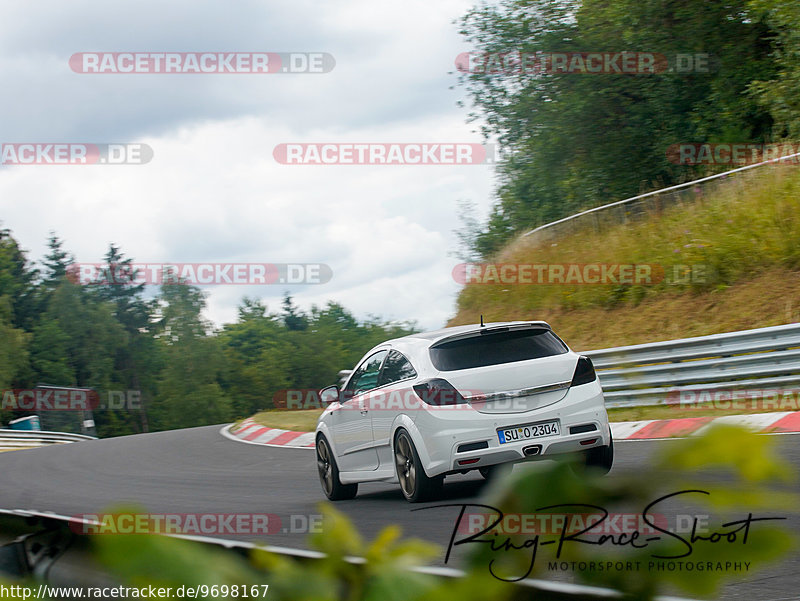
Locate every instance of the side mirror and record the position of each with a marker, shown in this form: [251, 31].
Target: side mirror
[329, 395]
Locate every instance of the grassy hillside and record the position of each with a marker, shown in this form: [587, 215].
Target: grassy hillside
[745, 236]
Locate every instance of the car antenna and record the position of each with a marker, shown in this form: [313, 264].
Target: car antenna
[483, 325]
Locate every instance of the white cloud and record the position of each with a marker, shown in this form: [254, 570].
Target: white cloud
[213, 191]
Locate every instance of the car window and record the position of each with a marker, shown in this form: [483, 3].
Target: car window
[365, 378]
[496, 348]
[396, 368]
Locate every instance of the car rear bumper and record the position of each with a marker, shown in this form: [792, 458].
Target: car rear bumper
[457, 440]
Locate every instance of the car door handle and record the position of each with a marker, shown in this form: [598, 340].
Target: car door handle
[364, 411]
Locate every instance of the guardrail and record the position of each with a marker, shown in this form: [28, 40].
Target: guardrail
[657, 373]
[22, 439]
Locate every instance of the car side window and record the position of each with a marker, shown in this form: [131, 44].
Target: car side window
[365, 378]
[396, 368]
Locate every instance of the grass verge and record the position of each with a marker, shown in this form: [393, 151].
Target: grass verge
[302, 420]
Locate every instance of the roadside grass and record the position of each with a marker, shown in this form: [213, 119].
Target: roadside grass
[744, 235]
[305, 420]
[769, 299]
[301, 420]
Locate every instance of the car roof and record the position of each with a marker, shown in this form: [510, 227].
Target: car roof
[432, 337]
[422, 340]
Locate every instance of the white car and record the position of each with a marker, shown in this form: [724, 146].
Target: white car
[421, 407]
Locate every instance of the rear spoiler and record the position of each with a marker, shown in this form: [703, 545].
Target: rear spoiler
[495, 329]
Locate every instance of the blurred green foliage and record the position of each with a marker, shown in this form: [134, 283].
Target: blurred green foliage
[741, 472]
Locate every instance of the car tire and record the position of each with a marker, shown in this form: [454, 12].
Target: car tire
[329, 474]
[492, 473]
[600, 459]
[414, 482]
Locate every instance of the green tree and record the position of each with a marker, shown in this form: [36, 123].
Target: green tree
[13, 351]
[576, 140]
[137, 363]
[94, 335]
[781, 94]
[265, 356]
[17, 310]
[293, 318]
[105, 335]
[18, 278]
[50, 354]
[56, 262]
[189, 391]
[257, 358]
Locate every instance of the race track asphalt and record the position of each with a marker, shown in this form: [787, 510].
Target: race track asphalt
[199, 471]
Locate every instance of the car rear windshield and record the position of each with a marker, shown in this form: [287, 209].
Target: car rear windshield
[496, 348]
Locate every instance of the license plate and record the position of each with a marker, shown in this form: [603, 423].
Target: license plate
[527, 432]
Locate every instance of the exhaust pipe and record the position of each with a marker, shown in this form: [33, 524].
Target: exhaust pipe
[532, 450]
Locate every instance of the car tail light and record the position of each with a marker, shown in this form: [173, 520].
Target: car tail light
[584, 372]
[438, 392]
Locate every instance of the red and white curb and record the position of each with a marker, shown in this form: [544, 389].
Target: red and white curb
[783, 422]
[253, 433]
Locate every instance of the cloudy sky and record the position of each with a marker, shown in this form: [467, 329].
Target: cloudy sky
[213, 191]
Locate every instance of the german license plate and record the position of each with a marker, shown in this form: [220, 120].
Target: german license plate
[528, 432]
